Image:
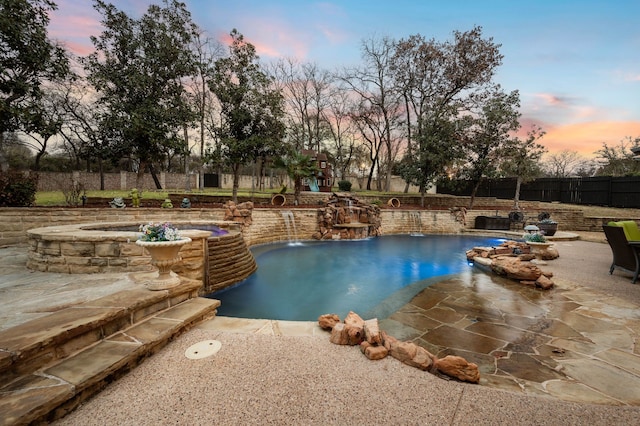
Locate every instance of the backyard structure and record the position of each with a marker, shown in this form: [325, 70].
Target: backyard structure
[323, 180]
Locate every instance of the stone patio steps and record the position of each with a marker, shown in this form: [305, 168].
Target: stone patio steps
[50, 365]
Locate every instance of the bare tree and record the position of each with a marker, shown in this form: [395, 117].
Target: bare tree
[342, 129]
[370, 124]
[564, 164]
[305, 88]
[380, 109]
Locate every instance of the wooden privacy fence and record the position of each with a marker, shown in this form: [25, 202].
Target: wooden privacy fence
[622, 192]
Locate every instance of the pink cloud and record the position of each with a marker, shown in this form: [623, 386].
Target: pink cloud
[551, 99]
[586, 138]
[632, 77]
[273, 40]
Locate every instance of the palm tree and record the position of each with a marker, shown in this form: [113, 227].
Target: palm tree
[298, 167]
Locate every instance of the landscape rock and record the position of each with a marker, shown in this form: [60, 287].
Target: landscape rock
[544, 283]
[515, 269]
[550, 253]
[372, 332]
[459, 368]
[339, 335]
[411, 354]
[327, 321]
[380, 344]
[354, 319]
[373, 352]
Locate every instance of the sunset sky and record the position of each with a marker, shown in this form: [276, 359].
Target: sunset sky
[576, 63]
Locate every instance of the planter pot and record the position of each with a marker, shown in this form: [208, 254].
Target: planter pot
[278, 200]
[549, 229]
[393, 202]
[538, 249]
[164, 254]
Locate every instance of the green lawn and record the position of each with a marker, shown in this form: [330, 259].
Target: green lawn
[56, 198]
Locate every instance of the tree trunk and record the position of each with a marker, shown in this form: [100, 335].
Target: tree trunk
[473, 194]
[516, 198]
[187, 184]
[155, 177]
[236, 181]
[4, 163]
[101, 170]
[140, 174]
[297, 188]
[370, 177]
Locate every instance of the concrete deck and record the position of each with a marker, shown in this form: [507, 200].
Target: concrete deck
[571, 355]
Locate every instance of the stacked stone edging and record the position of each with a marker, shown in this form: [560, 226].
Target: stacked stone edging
[230, 261]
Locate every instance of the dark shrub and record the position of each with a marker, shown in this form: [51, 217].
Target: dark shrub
[344, 185]
[17, 189]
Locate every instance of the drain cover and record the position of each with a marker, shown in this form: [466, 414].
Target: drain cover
[203, 349]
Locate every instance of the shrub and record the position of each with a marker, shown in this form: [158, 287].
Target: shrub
[344, 185]
[535, 238]
[18, 189]
[548, 221]
[71, 189]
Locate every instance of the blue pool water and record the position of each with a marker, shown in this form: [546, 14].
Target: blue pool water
[303, 281]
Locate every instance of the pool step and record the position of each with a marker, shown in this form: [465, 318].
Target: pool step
[51, 364]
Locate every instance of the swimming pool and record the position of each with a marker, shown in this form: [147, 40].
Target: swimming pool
[372, 277]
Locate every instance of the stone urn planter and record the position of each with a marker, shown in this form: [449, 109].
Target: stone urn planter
[164, 254]
[538, 249]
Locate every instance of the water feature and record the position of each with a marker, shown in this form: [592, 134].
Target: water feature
[373, 277]
[290, 224]
[415, 223]
[353, 214]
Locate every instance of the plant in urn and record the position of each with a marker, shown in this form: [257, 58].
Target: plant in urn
[163, 242]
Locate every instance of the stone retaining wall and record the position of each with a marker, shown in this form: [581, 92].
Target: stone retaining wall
[268, 224]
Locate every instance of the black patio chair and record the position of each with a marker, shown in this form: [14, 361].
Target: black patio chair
[625, 254]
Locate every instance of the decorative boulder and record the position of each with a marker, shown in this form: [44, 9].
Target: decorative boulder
[328, 321]
[372, 332]
[459, 368]
[515, 269]
[373, 352]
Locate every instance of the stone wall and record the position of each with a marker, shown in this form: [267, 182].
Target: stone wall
[268, 225]
[15, 221]
[52, 181]
[91, 251]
